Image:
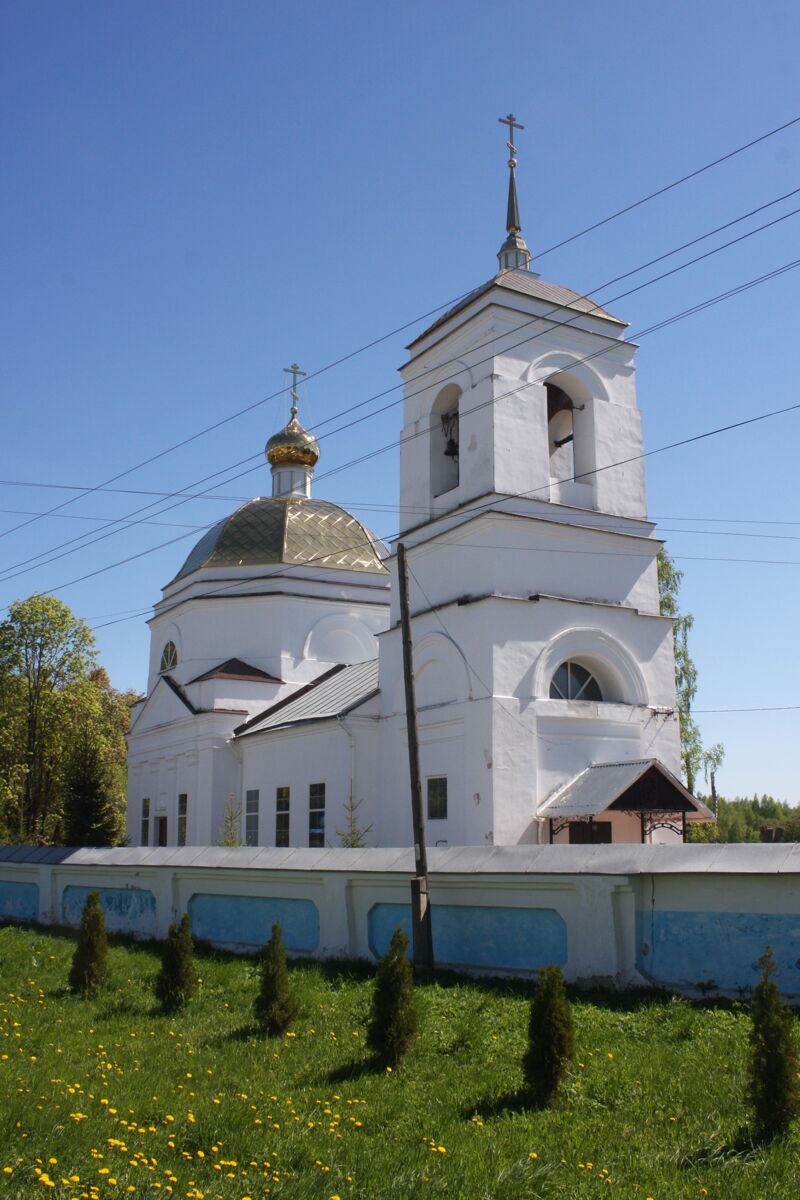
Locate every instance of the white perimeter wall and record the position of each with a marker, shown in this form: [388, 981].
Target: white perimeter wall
[689, 918]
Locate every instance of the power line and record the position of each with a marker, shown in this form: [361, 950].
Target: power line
[399, 329]
[597, 470]
[541, 333]
[26, 512]
[372, 505]
[82, 538]
[663, 324]
[667, 188]
[770, 708]
[365, 505]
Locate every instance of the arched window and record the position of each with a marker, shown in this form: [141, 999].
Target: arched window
[573, 682]
[169, 658]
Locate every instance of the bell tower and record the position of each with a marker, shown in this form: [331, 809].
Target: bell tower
[524, 390]
[539, 648]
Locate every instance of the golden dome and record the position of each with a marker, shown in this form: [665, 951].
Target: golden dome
[288, 529]
[293, 446]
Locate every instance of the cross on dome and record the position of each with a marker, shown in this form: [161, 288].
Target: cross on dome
[294, 371]
[293, 452]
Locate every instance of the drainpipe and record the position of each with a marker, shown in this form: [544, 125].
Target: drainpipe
[343, 726]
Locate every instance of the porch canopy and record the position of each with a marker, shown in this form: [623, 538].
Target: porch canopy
[640, 787]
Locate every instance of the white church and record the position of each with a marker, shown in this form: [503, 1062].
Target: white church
[545, 680]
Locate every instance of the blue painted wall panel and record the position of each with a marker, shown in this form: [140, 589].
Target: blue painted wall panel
[503, 939]
[245, 922]
[126, 910]
[19, 901]
[687, 948]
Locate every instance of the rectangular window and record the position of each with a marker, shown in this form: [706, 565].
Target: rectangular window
[282, 816]
[316, 814]
[251, 818]
[161, 831]
[146, 821]
[183, 804]
[437, 798]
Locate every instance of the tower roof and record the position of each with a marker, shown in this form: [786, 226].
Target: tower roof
[288, 529]
[525, 283]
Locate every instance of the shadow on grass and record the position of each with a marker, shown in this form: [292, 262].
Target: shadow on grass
[342, 971]
[498, 1106]
[743, 1144]
[249, 1032]
[356, 1070]
[59, 993]
[121, 1005]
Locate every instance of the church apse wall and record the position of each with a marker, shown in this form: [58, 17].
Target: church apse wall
[692, 918]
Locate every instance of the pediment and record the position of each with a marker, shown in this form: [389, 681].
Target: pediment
[163, 706]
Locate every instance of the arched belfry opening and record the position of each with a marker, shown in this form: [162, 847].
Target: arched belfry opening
[560, 433]
[444, 440]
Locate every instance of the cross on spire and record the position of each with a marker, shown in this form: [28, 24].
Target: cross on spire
[512, 123]
[514, 254]
[294, 371]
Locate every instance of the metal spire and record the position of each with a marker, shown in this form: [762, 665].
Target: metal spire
[513, 254]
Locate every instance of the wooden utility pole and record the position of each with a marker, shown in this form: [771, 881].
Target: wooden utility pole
[422, 940]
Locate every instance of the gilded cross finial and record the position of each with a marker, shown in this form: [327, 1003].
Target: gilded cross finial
[512, 123]
[294, 371]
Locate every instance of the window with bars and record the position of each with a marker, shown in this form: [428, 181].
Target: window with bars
[145, 834]
[251, 817]
[282, 816]
[316, 814]
[183, 805]
[437, 798]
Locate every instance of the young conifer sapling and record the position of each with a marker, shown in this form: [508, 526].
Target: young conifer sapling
[275, 1005]
[177, 980]
[89, 970]
[393, 1024]
[551, 1039]
[773, 1089]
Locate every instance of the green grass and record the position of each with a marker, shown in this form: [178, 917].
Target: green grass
[136, 1103]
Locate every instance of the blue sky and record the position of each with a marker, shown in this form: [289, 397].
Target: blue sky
[195, 195]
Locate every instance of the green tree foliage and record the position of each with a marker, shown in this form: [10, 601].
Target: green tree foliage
[275, 1005]
[353, 836]
[231, 832]
[773, 1090]
[694, 757]
[176, 982]
[669, 584]
[62, 738]
[551, 1039]
[393, 1024]
[89, 970]
[90, 818]
[743, 819]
